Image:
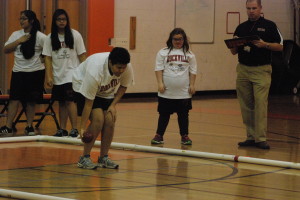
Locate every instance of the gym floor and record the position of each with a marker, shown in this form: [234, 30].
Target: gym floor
[215, 126]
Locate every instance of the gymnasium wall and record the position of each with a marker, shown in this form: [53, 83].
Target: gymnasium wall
[100, 25]
[108, 25]
[156, 18]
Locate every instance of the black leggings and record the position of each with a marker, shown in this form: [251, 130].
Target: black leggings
[183, 122]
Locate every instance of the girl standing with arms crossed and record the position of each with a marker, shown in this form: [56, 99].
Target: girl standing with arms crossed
[64, 50]
[175, 70]
[28, 73]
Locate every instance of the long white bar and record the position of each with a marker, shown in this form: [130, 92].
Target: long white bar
[217, 156]
[26, 195]
[180, 152]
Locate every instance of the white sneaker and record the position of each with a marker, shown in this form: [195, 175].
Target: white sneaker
[29, 130]
[105, 162]
[86, 163]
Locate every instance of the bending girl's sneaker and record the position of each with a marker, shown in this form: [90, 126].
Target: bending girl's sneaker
[105, 162]
[86, 163]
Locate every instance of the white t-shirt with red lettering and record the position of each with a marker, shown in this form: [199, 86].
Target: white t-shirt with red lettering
[27, 65]
[92, 78]
[176, 67]
[64, 60]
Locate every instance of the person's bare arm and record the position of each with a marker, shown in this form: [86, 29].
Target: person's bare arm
[12, 46]
[160, 83]
[112, 108]
[192, 89]
[85, 115]
[48, 73]
[82, 57]
[271, 46]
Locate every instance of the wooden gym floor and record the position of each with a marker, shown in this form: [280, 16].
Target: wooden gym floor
[215, 126]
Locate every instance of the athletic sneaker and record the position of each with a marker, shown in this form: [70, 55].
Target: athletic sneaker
[86, 163]
[5, 131]
[29, 130]
[74, 132]
[105, 162]
[158, 139]
[186, 140]
[61, 133]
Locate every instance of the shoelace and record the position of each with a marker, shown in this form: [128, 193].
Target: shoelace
[88, 161]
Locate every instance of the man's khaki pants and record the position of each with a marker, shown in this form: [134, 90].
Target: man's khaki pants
[252, 85]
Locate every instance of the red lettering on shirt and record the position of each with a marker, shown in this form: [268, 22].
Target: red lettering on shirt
[113, 83]
[177, 58]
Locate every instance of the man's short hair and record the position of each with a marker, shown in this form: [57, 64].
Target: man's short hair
[119, 55]
[258, 2]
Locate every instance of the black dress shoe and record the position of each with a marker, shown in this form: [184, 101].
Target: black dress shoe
[247, 143]
[262, 145]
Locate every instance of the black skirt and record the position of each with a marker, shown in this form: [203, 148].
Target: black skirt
[174, 105]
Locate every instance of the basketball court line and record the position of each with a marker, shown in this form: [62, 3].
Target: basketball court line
[137, 184]
[171, 185]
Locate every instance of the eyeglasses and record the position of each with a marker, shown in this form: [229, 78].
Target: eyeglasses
[61, 19]
[23, 18]
[177, 39]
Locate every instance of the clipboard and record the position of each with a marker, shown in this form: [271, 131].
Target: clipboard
[235, 42]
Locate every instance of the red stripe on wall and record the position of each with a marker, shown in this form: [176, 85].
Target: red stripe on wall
[100, 25]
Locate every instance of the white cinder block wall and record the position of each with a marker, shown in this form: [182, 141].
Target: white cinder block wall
[155, 20]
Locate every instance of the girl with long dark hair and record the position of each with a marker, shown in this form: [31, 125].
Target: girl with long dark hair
[28, 73]
[64, 50]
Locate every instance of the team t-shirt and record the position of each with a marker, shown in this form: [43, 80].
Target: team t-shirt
[64, 60]
[92, 78]
[176, 67]
[27, 65]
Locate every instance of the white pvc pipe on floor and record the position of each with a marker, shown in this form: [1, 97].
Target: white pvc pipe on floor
[42, 138]
[19, 139]
[26, 195]
[217, 156]
[163, 150]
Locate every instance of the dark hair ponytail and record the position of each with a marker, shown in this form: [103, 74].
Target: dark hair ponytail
[28, 47]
